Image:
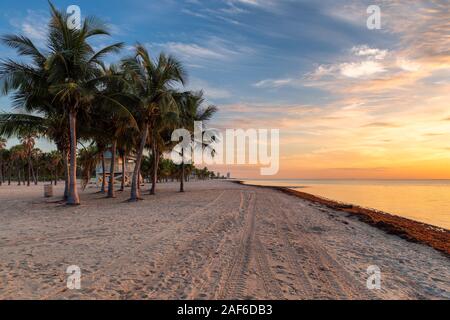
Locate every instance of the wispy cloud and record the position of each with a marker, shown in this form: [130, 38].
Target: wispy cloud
[274, 83]
[211, 49]
[381, 125]
[211, 92]
[34, 26]
[192, 50]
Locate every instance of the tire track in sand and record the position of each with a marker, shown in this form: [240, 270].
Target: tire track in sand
[250, 247]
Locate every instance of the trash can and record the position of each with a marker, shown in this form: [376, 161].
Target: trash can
[48, 190]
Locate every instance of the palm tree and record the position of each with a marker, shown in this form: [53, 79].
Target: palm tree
[75, 76]
[126, 143]
[116, 121]
[55, 160]
[52, 125]
[28, 141]
[37, 156]
[161, 139]
[17, 157]
[191, 110]
[71, 70]
[8, 163]
[88, 159]
[151, 84]
[2, 148]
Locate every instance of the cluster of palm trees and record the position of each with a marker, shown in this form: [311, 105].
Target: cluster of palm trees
[169, 171]
[25, 164]
[68, 94]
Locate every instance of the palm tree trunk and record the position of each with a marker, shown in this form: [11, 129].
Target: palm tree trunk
[33, 173]
[66, 174]
[155, 170]
[29, 172]
[1, 171]
[135, 193]
[9, 174]
[18, 175]
[73, 198]
[124, 159]
[111, 193]
[182, 172]
[102, 190]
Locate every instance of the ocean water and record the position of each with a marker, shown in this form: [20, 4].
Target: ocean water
[426, 201]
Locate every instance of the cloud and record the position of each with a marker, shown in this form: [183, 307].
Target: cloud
[361, 69]
[361, 169]
[367, 62]
[33, 25]
[381, 125]
[273, 83]
[366, 51]
[408, 65]
[257, 3]
[211, 49]
[193, 50]
[211, 92]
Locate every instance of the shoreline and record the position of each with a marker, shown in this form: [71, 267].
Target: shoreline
[410, 230]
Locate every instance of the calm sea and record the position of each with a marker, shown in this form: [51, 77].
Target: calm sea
[421, 200]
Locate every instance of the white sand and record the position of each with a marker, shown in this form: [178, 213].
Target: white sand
[218, 240]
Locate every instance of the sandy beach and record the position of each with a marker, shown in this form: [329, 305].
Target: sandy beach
[219, 240]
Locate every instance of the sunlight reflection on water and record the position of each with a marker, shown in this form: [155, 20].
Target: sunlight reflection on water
[421, 200]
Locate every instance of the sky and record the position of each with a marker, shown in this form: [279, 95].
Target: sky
[350, 102]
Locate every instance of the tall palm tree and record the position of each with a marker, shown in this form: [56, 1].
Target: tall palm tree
[37, 157]
[115, 121]
[28, 141]
[75, 75]
[71, 69]
[17, 158]
[152, 82]
[8, 164]
[192, 109]
[2, 148]
[161, 139]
